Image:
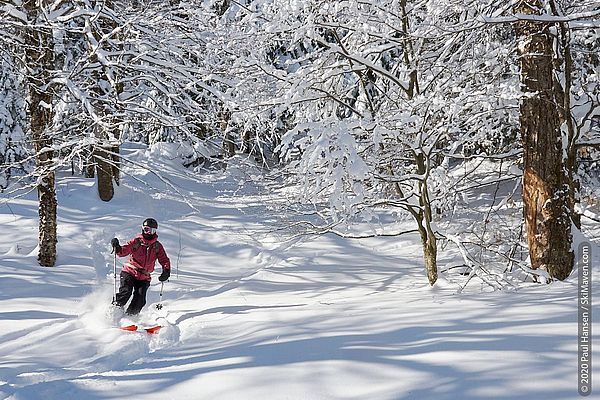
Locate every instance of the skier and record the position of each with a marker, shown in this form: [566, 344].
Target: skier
[143, 251]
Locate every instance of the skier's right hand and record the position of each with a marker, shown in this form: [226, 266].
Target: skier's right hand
[115, 245]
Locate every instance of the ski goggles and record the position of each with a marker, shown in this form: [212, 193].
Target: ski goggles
[148, 230]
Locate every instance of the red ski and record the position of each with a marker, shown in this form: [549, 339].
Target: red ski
[134, 328]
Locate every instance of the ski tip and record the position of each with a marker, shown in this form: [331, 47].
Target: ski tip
[129, 328]
[153, 330]
[132, 328]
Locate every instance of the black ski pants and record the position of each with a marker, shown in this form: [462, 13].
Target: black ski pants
[131, 285]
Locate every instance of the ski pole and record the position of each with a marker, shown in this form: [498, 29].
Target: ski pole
[115, 277]
[159, 305]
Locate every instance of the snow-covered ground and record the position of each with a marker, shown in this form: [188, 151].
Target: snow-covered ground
[251, 314]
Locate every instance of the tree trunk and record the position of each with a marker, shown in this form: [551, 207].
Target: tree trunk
[430, 256]
[428, 239]
[545, 184]
[105, 155]
[564, 100]
[89, 168]
[248, 139]
[39, 57]
[408, 53]
[228, 138]
[104, 171]
[117, 120]
[229, 145]
[116, 163]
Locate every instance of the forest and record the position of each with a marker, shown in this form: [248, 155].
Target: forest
[477, 121]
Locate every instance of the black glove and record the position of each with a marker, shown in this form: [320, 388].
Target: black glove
[115, 245]
[166, 273]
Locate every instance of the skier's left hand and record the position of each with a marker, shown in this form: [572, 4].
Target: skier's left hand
[166, 273]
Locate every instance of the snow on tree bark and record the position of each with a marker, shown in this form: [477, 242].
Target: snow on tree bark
[105, 89]
[545, 183]
[39, 57]
[13, 151]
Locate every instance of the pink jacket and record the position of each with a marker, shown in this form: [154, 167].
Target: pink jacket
[142, 257]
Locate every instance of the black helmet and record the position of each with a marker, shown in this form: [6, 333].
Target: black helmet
[151, 222]
[149, 228]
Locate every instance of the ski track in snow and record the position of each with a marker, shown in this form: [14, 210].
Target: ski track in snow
[248, 315]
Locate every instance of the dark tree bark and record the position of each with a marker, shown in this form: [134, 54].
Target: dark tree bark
[424, 219]
[116, 161]
[104, 171]
[39, 57]
[116, 120]
[105, 155]
[221, 7]
[228, 137]
[564, 91]
[89, 168]
[546, 190]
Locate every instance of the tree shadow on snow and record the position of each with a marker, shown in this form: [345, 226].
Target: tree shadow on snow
[458, 357]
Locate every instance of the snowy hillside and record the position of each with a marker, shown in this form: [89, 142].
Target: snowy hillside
[254, 313]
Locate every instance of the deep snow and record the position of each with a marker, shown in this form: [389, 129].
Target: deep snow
[253, 313]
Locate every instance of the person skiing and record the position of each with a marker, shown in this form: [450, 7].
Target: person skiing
[143, 251]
